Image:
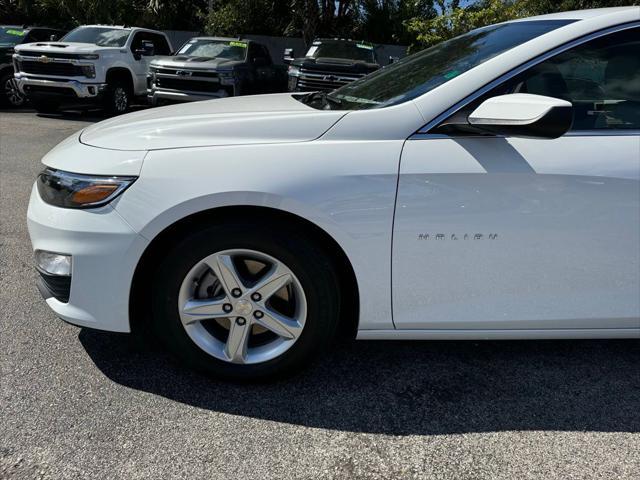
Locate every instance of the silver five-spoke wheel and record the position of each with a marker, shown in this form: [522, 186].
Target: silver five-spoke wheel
[242, 306]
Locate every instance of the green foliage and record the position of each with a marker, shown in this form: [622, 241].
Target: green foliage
[453, 19]
[420, 23]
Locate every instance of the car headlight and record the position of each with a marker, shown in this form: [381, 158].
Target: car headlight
[73, 190]
[89, 56]
[88, 71]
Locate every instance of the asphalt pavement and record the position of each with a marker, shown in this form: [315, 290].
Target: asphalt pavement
[77, 403]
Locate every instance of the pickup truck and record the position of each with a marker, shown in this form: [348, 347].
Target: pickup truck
[10, 36]
[213, 67]
[93, 65]
[330, 63]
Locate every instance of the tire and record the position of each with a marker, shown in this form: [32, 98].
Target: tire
[45, 106]
[313, 292]
[117, 99]
[9, 94]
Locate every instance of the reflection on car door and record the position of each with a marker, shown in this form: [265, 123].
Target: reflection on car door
[511, 233]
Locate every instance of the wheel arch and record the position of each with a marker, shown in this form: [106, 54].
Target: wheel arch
[121, 73]
[349, 311]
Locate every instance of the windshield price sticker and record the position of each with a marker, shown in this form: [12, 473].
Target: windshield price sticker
[238, 44]
[18, 33]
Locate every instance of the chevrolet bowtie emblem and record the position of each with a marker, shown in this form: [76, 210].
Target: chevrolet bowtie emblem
[44, 59]
[183, 73]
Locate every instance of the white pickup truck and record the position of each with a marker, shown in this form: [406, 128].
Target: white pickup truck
[93, 65]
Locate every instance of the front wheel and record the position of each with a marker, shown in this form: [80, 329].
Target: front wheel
[11, 94]
[244, 301]
[117, 98]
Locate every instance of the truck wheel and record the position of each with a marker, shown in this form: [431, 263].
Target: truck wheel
[45, 106]
[9, 92]
[117, 98]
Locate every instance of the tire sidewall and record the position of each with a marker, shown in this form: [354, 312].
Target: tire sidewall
[308, 263]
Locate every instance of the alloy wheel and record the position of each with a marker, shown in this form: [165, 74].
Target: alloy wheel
[242, 306]
[120, 99]
[12, 93]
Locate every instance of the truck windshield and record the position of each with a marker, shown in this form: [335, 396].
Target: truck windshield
[209, 48]
[348, 50]
[419, 73]
[11, 35]
[101, 36]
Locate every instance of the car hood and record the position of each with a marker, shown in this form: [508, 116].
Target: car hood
[277, 118]
[62, 47]
[184, 61]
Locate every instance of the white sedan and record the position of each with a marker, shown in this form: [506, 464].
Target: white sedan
[485, 188]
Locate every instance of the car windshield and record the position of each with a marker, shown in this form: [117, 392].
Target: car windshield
[101, 36]
[419, 73]
[209, 48]
[352, 51]
[11, 35]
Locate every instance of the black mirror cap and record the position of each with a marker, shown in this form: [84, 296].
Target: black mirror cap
[553, 124]
[289, 55]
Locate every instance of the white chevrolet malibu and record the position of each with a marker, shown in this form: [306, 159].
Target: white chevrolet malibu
[484, 188]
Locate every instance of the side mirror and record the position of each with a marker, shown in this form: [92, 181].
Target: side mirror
[53, 38]
[146, 49]
[289, 55]
[523, 115]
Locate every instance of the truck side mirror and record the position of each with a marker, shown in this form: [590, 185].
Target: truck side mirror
[53, 38]
[289, 55]
[146, 49]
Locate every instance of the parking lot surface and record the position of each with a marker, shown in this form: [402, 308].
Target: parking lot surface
[77, 403]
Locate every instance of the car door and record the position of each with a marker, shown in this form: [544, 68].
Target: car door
[505, 233]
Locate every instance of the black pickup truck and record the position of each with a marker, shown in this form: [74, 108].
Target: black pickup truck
[214, 67]
[329, 64]
[10, 36]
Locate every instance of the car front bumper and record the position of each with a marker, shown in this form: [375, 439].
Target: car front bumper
[104, 250]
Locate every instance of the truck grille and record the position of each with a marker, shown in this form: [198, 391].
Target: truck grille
[53, 68]
[188, 85]
[312, 80]
[190, 73]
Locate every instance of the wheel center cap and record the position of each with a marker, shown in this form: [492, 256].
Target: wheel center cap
[243, 307]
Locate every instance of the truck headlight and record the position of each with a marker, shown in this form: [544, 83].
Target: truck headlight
[89, 56]
[293, 71]
[227, 78]
[73, 190]
[88, 71]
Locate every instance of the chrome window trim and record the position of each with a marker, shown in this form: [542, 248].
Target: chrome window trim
[424, 130]
[575, 133]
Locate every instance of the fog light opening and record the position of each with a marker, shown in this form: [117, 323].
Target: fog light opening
[53, 263]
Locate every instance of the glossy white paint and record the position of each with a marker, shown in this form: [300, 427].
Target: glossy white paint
[565, 211]
[259, 119]
[514, 109]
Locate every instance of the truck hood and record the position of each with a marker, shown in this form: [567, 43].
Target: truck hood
[277, 118]
[205, 63]
[61, 47]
